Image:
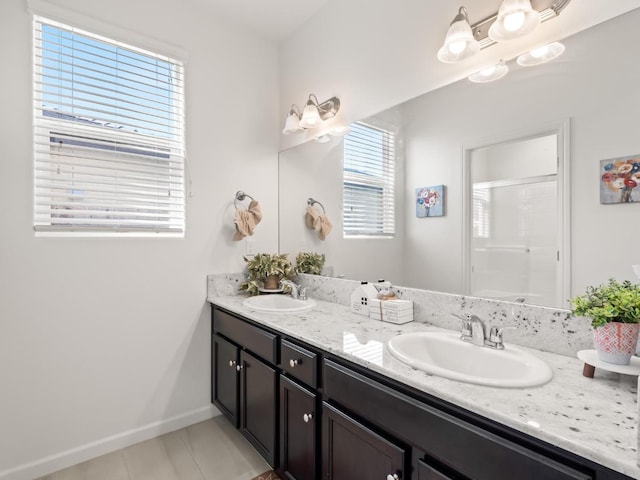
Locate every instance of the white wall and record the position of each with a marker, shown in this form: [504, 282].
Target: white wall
[106, 340]
[594, 83]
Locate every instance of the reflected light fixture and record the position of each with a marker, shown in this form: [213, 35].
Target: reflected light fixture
[541, 55]
[489, 74]
[515, 19]
[313, 115]
[459, 43]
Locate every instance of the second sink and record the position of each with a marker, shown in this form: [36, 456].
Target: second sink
[278, 303]
[444, 354]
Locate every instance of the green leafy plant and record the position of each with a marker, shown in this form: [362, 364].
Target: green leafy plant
[310, 262]
[264, 267]
[610, 302]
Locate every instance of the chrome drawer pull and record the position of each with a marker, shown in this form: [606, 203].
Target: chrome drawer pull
[232, 363]
[307, 417]
[393, 477]
[293, 363]
[239, 367]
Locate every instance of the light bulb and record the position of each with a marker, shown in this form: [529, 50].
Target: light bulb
[457, 47]
[513, 21]
[539, 52]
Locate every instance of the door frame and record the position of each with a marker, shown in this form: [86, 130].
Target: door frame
[562, 129]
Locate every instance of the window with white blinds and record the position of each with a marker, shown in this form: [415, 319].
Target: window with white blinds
[368, 182]
[108, 135]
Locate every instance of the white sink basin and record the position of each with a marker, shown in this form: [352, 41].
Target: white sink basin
[444, 354]
[278, 303]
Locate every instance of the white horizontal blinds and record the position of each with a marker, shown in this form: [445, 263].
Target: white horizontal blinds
[109, 134]
[368, 182]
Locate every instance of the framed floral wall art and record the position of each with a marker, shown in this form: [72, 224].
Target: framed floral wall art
[430, 201]
[620, 180]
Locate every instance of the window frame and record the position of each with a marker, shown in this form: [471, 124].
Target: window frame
[110, 144]
[384, 152]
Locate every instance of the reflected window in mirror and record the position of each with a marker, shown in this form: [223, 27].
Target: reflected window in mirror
[368, 182]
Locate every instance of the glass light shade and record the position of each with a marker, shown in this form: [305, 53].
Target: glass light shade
[541, 55]
[310, 116]
[292, 125]
[339, 131]
[459, 43]
[515, 19]
[489, 74]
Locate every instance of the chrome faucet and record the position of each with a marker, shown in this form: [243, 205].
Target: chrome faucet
[297, 291]
[477, 330]
[474, 331]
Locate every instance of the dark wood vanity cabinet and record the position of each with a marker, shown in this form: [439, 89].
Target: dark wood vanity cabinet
[351, 450]
[225, 386]
[245, 380]
[313, 415]
[298, 431]
[258, 405]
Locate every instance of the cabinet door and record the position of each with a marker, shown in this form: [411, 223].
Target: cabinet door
[258, 404]
[225, 395]
[352, 451]
[298, 432]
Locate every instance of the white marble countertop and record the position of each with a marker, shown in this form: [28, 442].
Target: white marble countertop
[594, 418]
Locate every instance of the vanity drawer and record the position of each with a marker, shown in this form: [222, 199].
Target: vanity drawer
[259, 341]
[300, 363]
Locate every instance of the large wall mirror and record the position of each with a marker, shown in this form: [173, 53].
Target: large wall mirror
[587, 95]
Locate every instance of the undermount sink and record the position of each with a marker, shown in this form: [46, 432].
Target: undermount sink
[278, 303]
[445, 355]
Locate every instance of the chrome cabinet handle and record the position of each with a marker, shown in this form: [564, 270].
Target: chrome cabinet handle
[293, 363]
[239, 367]
[307, 417]
[393, 477]
[232, 363]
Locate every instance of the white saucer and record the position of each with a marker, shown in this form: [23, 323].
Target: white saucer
[591, 357]
[271, 290]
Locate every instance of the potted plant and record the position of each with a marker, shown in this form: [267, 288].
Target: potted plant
[265, 271]
[614, 310]
[310, 262]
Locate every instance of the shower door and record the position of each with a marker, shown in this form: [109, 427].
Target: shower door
[515, 227]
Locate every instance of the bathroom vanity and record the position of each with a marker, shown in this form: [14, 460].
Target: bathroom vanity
[319, 396]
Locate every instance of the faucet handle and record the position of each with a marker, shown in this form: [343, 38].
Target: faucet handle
[496, 334]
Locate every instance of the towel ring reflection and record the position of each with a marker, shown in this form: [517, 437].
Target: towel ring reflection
[240, 196]
[311, 202]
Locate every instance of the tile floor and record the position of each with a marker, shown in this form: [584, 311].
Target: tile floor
[209, 450]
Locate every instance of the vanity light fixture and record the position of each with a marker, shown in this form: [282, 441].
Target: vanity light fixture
[313, 115]
[459, 43]
[515, 19]
[541, 55]
[489, 74]
[545, 9]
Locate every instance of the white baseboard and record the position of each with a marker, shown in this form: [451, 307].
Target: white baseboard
[82, 453]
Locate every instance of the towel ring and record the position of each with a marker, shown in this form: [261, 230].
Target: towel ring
[240, 196]
[311, 202]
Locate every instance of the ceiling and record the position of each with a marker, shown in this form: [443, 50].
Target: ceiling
[274, 19]
[279, 19]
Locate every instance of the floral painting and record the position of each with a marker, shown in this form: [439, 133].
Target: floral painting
[430, 201]
[619, 180]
